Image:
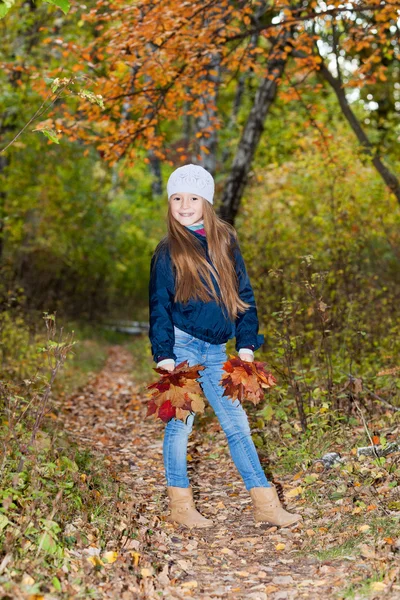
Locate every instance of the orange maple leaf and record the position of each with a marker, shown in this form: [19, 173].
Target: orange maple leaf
[245, 380]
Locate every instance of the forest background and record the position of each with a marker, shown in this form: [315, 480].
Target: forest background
[292, 106]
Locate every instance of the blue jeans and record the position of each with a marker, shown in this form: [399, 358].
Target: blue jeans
[231, 415]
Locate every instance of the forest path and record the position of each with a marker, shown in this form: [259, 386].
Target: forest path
[233, 559]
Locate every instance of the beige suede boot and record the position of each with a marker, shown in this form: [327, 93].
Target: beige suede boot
[183, 510]
[267, 507]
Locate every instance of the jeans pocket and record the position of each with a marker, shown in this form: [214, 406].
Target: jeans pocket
[183, 341]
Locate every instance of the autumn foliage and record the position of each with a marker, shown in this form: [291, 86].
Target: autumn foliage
[246, 380]
[177, 393]
[155, 62]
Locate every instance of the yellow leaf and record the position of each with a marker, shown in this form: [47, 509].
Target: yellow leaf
[364, 528]
[135, 556]
[110, 557]
[357, 510]
[95, 561]
[378, 586]
[189, 584]
[295, 492]
[280, 546]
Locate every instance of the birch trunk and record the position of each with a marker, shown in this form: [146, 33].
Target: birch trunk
[252, 132]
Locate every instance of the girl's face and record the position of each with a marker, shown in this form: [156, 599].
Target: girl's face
[187, 208]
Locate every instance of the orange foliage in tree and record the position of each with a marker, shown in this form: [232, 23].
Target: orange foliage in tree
[177, 393]
[245, 380]
[152, 62]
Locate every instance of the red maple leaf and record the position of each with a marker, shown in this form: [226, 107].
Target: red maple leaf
[166, 411]
[151, 407]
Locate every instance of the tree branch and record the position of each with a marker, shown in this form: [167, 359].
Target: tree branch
[388, 177]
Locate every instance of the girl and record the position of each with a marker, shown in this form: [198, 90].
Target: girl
[200, 296]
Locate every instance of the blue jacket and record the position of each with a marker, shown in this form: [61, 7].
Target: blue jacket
[205, 320]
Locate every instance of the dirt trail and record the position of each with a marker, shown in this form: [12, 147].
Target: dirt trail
[234, 559]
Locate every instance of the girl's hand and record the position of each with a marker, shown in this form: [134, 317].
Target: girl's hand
[169, 367]
[247, 355]
[168, 364]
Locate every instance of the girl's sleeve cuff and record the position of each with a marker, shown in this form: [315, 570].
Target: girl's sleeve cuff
[246, 351]
[166, 361]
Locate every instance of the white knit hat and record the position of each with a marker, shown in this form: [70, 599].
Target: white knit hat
[192, 179]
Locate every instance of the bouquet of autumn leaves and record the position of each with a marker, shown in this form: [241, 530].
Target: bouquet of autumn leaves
[178, 393]
[245, 380]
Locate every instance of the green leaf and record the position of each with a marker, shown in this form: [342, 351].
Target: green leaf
[48, 543]
[63, 4]
[258, 441]
[50, 525]
[5, 6]
[57, 584]
[93, 98]
[49, 133]
[267, 412]
[310, 478]
[337, 496]
[55, 85]
[66, 464]
[3, 521]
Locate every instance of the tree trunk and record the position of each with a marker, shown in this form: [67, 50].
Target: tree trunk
[241, 86]
[252, 131]
[207, 144]
[155, 169]
[388, 177]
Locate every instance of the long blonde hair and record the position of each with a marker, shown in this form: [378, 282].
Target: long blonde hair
[189, 261]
